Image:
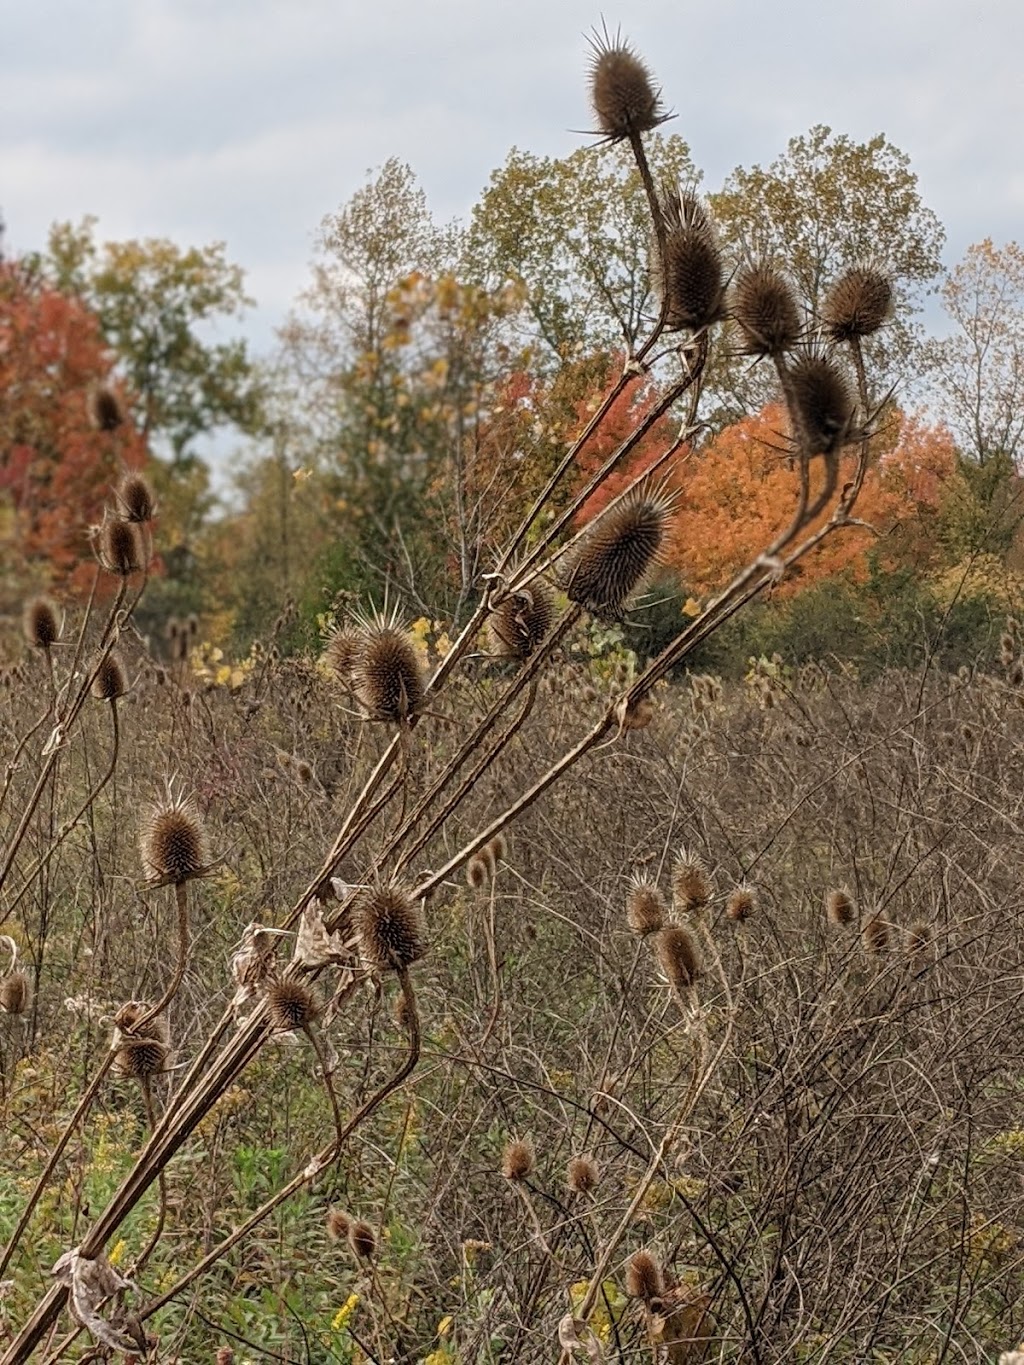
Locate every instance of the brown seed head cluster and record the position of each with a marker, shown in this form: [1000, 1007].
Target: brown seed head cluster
[646, 911]
[144, 1054]
[15, 992]
[386, 673]
[518, 624]
[678, 956]
[822, 404]
[363, 1240]
[689, 270]
[120, 549]
[291, 1005]
[390, 928]
[341, 653]
[106, 409]
[644, 1279]
[617, 551]
[691, 884]
[766, 311]
[919, 937]
[742, 903]
[624, 97]
[41, 622]
[858, 304]
[583, 1174]
[173, 843]
[110, 681]
[517, 1160]
[876, 935]
[338, 1224]
[135, 499]
[840, 907]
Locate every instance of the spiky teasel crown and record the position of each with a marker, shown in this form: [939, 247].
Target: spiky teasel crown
[521, 621]
[858, 303]
[341, 652]
[644, 1279]
[390, 928]
[362, 1239]
[135, 499]
[291, 1005]
[517, 1160]
[110, 681]
[840, 907]
[618, 550]
[821, 402]
[678, 956]
[583, 1175]
[691, 883]
[144, 1054]
[173, 842]
[688, 268]
[876, 935]
[41, 622]
[646, 911]
[120, 548]
[386, 672]
[742, 903]
[765, 308]
[106, 408]
[15, 992]
[624, 97]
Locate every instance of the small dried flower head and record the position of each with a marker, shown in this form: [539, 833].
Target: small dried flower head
[140, 1054]
[765, 308]
[624, 97]
[646, 911]
[390, 928]
[304, 771]
[41, 622]
[477, 872]
[858, 303]
[338, 1224]
[691, 885]
[15, 992]
[678, 956]
[822, 404]
[617, 551]
[517, 1160]
[120, 549]
[742, 903]
[173, 843]
[498, 848]
[688, 268]
[583, 1175]
[637, 715]
[521, 621]
[644, 1279]
[106, 409]
[876, 935]
[840, 907]
[363, 1240]
[919, 937]
[135, 499]
[291, 1005]
[341, 652]
[225, 1356]
[111, 680]
[387, 675]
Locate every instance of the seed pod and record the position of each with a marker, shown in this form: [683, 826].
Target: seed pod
[691, 885]
[583, 1175]
[498, 848]
[110, 681]
[678, 956]
[840, 907]
[341, 652]
[624, 97]
[919, 937]
[859, 302]
[742, 903]
[521, 621]
[338, 1224]
[617, 551]
[135, 499]
[15, 992]
[140, 1055]
[766, 311]
[119, 548]
[646, 911]
[386, 674]
[821, 404]
[688, 269]
[41, 622]
[173, 843]
[390, 928]
[106, 409]
[644, 1279]
[517, 1160]
[291, 1005]
[875, 935]
[363, 1240]
[477, 872]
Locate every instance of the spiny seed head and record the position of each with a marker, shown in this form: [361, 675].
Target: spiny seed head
[106, 409]
[476, 872]
[678, 956]
[858, 303]
[111, 681]
[15, 992]
[919, 936]
[624, 97]
[173, 843]
[41, 622]
[840, 907]
[875, 935]
[135, 499]
[291, 1005]
[517, 1159]
[341, 652]
[644, 1279]
[498, 847]
[617, 551]
[363, 1240]
[822, 404]
[742, 903]
[143, 1054]
[518, 624]
[119, 548]
[766, 310]
[691, 885]
[338, 1224]
[390, 928]
[583, 1175]
[646, 911]
[637, 715]
[688, 269]
[386, 674]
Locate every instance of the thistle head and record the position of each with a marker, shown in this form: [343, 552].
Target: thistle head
[840, 907]
[291, 1005]
[106, 408]
[363, 1240]
[110, 681]
[691, 884]
[876, 935]
[120, 548]
[15, 992]
[140, 1054]
[688, 267]
[644, 1279]
[742, 903]
[583, 1175]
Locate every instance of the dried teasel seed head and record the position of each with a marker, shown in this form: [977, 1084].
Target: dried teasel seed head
[691, 884]
[919, 937]
[337, 1223]
[15, 992]
[291, 1005]
[840, 907]
[363, 1240]
[390, 928]
[646, 911]
[678, 956]
[765, 308]
[517, 1160]
[110, 681]
[173, 843]
[638, 715]
[687, 267]
[742, 903]
[387, 675]
[521, 621]
[135, 499]
[120, 549]
[876, 935]
[583, 1174]
[41, 622]
[821, 403]
[477, 873]
[624, 97]
[644, 1279]
[225, 1356]
[106, 409]
[341, 652]
[144, 1054]
[617, 551]
[859, 302]
[497, 848]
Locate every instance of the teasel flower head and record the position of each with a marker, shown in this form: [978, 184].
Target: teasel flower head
[618, 550]
[583, 1175]
[520, 622]
[341, 653]
[919, 937]
[173, 842]
[821, 402]
[135, 501]
[840, 907]
[858, 303]
[876, 935]
[477, 872]
[110, 681]
[764, 307]
[678, 956]
[691, 884]
[517, 1160]
[120, 548]
[644, 1279]
[291, 1005]
[106, 408]
[387, 675]
[687, 265]
[363, 1240]
[390, 928]
[742, 903]
[646, 911]
[15, 992]
[624, 97]
[143, 1054]
[337, 1223]
[41, 622]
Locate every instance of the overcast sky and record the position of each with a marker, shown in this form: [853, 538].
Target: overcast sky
[248, 120]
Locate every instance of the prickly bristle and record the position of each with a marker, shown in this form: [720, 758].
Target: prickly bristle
[691, 884]
[363, 1240]
[858, 303]
[646, 911]
[690, 278]
[337, 1224]
[876, 935]
[518, 624]
[135, 499]
[111, 681]
[173, 843]
[106, 409]
[678, 956]
[644, 1279]
[624, 97]
[120, 549]
[742, 903]
[390, 929]
[15, 992]
[840, 907]
[517, 1160]
[822, 403]
[386, 674]
[583, 1174]
[41, 622]
[291, 1005]
[341, 652]
[618, 550]
[765, 308]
